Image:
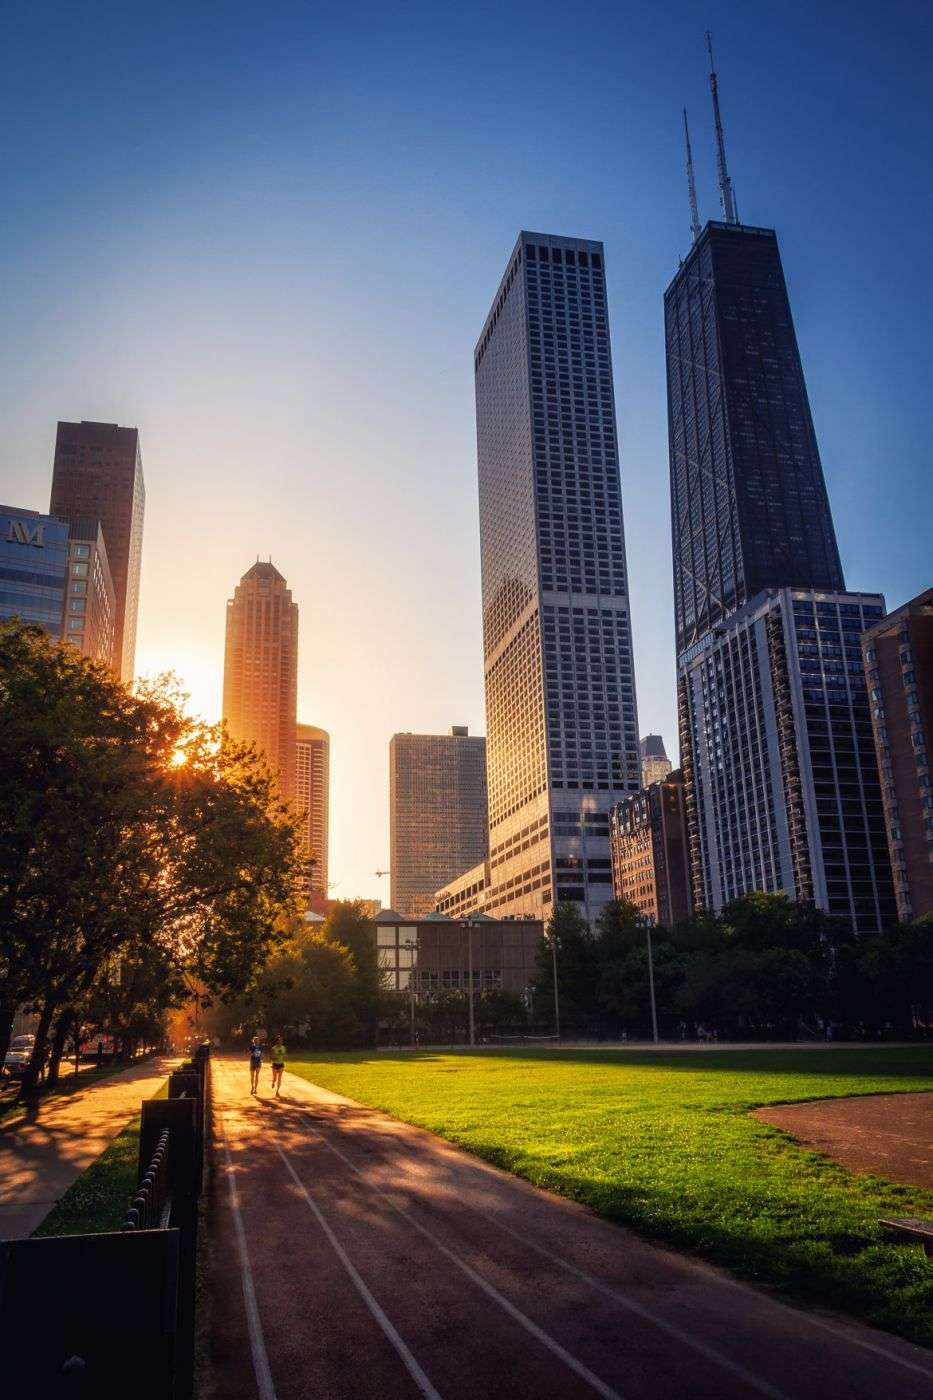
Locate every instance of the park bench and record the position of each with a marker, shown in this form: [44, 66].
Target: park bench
[913, 1229]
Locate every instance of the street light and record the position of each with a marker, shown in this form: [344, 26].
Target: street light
[553, 942]
[469, 925]
[647, 920]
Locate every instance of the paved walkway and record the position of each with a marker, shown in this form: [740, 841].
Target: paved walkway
[890, 1135]
[353, 1255]
[43, 1153]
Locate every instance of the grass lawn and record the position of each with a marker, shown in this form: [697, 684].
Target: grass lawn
[98, 1200]
[665, 1143]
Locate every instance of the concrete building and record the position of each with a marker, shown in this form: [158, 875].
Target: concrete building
[655, 764]
[98, 475]
[464, 895]
[777, 741]
[261, 669]
[561, 716]
[437, 813]
[650, 856]
[33, 567]
[898, 657]
[437, 953]
[312, 796]
[89, 621]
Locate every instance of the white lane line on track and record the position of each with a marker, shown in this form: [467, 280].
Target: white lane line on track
[257, 1341]
[919, 1367]
[537, 1332]
[411, 1365]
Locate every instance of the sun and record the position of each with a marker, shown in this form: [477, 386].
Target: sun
[178, 759]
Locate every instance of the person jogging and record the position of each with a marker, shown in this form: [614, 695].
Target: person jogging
[255, 1064]
[278, 1066]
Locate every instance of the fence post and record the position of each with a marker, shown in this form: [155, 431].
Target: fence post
[180, 1116]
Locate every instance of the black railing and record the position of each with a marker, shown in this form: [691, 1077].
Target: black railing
[151, 1207]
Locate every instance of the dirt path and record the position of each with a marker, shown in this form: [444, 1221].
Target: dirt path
[890, 1135]
[43, 1153]
[353, 1255]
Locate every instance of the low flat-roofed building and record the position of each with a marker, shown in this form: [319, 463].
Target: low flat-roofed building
[437, 953]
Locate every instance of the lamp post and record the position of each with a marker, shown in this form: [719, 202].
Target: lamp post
[553, 941]
[468, 925]
[411, 946]
[647, 921]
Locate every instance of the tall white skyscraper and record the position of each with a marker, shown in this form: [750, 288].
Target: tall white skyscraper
[312, 796]
[561, 715]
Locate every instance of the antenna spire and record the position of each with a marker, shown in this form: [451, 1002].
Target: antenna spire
[726, 193]
[691, 185]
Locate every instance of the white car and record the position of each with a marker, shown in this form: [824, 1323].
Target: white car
[19, 1054]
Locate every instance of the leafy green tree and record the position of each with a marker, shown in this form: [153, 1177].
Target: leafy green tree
[126, 826]
[895, 977]
[349, 924]
[577, 968]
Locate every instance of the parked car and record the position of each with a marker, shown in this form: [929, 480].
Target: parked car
[18, 1056]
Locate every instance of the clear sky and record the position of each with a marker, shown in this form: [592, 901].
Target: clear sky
[268, 235]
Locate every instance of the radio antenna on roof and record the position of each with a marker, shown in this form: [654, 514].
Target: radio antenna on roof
[691, 185]
[726, 194]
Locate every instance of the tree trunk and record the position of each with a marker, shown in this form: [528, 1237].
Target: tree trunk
[30, 1079]
[6, 1029]
[58, 1046]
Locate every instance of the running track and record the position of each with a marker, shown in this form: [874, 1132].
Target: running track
[354, 1256]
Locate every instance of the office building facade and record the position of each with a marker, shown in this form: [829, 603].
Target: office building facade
[98, 475]
[782, 786]
[650, 856]
[561, 716]
[261, 670]
[312, 797]
[33, 567]
[898, 658]
[655, 764]
[89, 620]
[749, 508]
[436, 954]
[464, 895]
[437, 813]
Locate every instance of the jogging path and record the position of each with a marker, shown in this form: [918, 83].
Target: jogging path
[355, 1256]
[43, 1152]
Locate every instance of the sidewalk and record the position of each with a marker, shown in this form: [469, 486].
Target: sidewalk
[43, 1153]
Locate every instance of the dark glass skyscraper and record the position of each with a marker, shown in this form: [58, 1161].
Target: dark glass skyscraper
[749, 508]
[561, 718]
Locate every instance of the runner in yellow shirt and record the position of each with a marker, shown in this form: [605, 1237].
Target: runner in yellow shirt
[278, 1066]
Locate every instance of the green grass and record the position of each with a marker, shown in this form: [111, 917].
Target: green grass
[664, 1142]
[98, 1200]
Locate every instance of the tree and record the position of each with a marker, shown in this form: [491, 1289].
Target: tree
[577, 967]
[349, 924]
[126, 826]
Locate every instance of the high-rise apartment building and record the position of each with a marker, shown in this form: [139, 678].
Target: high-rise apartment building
[655, 764]
[650, 856]
[437, 813]
[261, 669]
[898, 656]
[781, 785]
[561, 717]
[98, 475]
[312, 796]
[783, 793]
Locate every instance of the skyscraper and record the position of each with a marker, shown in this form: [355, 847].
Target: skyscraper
[261, 669]
[90, 605]
[781, 787]
[437, 813]
[898, 657]
[312, 795]
[655, 764]
[98, 475]
[561, 717]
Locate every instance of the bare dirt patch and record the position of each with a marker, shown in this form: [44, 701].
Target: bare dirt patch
[890, 1135]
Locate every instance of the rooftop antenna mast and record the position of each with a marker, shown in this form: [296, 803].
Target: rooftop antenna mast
[691, 185]
[726, 194]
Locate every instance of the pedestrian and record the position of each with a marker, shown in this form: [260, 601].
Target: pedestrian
[100, 1054]
[278, 1066]
[255, 1064]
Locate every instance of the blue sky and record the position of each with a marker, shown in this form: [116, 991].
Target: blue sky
[268, 236]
